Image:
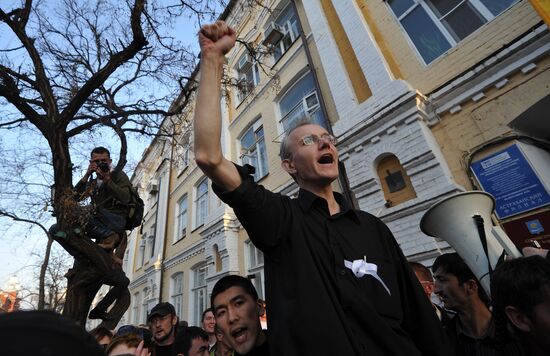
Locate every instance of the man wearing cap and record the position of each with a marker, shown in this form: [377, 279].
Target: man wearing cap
[162, 322]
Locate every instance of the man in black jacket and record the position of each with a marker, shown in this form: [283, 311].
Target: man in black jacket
[333, 268]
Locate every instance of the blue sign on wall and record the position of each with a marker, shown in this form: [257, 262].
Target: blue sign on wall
[508, 176]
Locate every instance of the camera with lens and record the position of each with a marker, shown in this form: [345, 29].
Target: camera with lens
[103, 166]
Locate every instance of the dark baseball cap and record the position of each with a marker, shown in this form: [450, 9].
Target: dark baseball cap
[161, 309]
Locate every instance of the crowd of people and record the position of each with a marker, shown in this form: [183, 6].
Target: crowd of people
[515, 321]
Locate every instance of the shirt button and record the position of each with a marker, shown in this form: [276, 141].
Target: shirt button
[342, 272]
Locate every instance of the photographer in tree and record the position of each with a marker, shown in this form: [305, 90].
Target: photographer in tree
[110, 194]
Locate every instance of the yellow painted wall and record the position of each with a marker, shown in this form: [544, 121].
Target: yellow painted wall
[491, 37]
[479, 122]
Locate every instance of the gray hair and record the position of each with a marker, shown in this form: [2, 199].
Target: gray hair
[284, 149]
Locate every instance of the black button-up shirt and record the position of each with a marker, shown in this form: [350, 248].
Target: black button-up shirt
[315, 304]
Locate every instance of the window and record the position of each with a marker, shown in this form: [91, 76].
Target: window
[182, 219]
[301, 100]
[253, 150]
[201, 202]
[151, 242]
[434, 26]
[135, 310]
[199, 293]
[182, 154]
[125, 261]
[254, 261]
[248, 75]
[146, 296]
[395, 182]
[141, 252]
[177, 293]
[288, 23]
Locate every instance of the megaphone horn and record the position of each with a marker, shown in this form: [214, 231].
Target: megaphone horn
[464, 221]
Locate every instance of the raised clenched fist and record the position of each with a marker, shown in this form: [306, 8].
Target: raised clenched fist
[216, 38]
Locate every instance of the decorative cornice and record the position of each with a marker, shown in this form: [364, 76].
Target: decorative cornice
[185, 255]
[142, 279]
[494, 72]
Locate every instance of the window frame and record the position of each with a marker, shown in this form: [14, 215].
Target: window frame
[136, 309]
[200, 220]
[477, 5]
[286, 31]
[181, 231]
[259, 148]
[242, 76]
[255, 268]
[199, 292]
[311, 112]
[176, 296]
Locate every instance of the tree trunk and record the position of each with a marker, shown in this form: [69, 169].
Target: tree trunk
[42, 277]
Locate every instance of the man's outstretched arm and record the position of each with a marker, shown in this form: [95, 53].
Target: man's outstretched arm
[215, 41]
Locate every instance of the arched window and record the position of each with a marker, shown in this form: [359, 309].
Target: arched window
[395, 182]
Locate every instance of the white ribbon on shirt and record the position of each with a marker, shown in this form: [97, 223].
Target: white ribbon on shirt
[361, 268]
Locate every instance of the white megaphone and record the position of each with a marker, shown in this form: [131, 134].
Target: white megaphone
[464, 221]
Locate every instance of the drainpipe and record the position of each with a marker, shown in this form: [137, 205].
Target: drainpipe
[342, 176]
[158, 264]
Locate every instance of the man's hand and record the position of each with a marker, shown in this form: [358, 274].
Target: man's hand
[216, 39]
[104, 175]
[141, 351]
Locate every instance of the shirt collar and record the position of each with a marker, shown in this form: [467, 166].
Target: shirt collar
[306, 200]
[490, 333]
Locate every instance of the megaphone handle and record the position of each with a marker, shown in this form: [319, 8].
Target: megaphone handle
[481, 231]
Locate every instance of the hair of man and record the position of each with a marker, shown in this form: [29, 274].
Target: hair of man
[128, 339]
[205, 312]
[422, 271]
[284, 149]
[522, 283]
[233, 281]
[100, 150]
[187, 337]
[100, 332]
[452, 263]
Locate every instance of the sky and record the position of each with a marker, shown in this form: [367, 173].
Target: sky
[20, 250]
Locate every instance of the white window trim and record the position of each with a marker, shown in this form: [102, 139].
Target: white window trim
[258, 268]
[478, 5]
[293, 37]
[136, 307]
[177, 231]
[196, 314]
[240, 75]
[255, 127]
[280, 126]
[179, 294]
[196, 223]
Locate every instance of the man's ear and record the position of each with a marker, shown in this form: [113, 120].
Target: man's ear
[518, 318]
[429, 287]
[288, 166]
[260, 306]
[471, 287]
[174, 320]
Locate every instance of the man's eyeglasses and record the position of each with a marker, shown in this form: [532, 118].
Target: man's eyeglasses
[314, 139]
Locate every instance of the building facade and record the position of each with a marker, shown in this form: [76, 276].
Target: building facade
[416, 92]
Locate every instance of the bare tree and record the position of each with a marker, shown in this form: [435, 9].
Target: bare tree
[76, 68]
